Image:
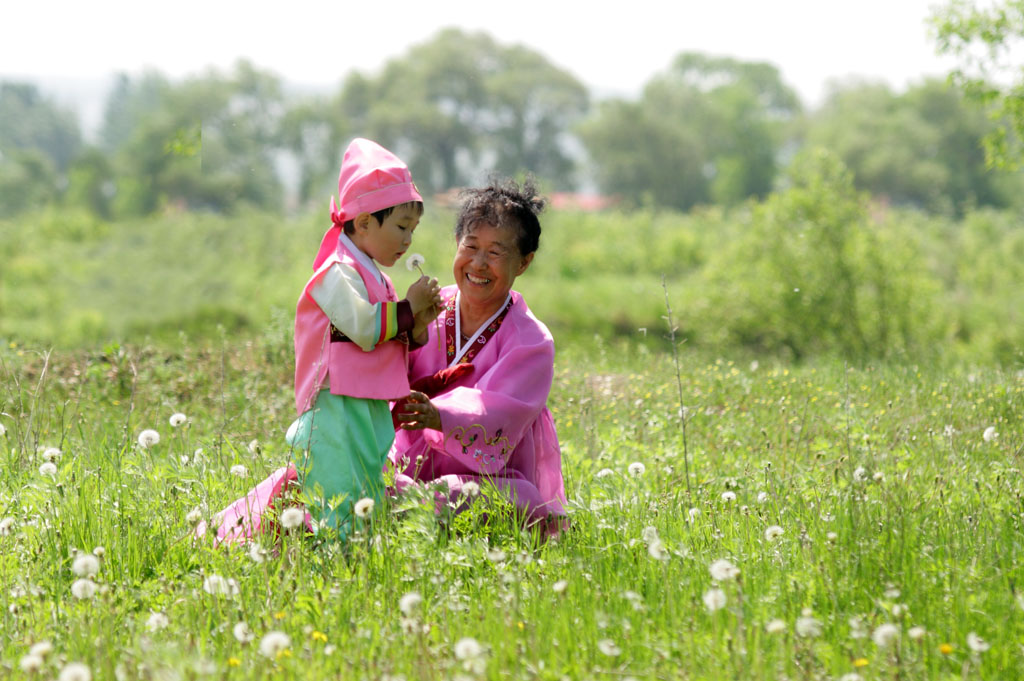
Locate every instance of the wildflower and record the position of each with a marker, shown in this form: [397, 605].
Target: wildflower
[83, 589]
[274, 643]
[945, 648]
[177, 419]
[409, 602]
[51, 454]
[990, 434]
[851, 676]
[414, 262]
[242, 632]
[879, 476]
[470, 489]
[860, 474]
[714, 599]
[656, 550]
[754, 364]
[693, 513]
[807, 626]
[85, 565]
[636, 469]
[899, 610]
[885, 635]
[5, 526]
[976, 643]
[857, 629]
[604, 473]
[3, 430]
[468, 648]
[831, 537]
[257, 553]
[728, 496]
[292, 517]
[723, 571]
[157, 621]
[75, 671]
[148, 438]
[916, 633]
[234, 662]
[254, 447]
[239, 470]
[218, 586]
[891, 592]
[496, 555]
[560, 586]
[861, 662]
[608, 647]
[650, 534]
[49, 469]
[762, 497]
[42, 648]
[30, 663]
[364, 507]
[319, 636]
[773, 532]
[775, 626]
[949, 430]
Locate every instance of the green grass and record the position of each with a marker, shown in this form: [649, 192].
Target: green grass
[930, 537]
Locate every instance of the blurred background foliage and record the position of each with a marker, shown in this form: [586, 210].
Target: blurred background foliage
[879, 224]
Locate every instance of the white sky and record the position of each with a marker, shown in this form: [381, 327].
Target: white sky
[613, 48]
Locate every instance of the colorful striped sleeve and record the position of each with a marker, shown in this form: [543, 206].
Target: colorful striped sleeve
[342, 296]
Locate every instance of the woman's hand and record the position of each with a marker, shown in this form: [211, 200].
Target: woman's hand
[418, 413]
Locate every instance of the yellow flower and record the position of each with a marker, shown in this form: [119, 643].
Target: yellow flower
[234, 662]
[520, 626]
[860, 662]
[319, 636]
[287, 652]
[279, 615]
[945, 649]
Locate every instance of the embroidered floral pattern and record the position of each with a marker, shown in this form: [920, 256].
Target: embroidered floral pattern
[485, 450]
[481, 341]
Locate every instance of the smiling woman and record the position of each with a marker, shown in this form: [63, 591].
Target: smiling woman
[478, 407]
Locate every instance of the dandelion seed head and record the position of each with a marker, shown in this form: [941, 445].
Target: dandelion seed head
[273, 643]
[976, 643]
[216, 585]
[242, 632]
[656, 550]
[41, 648]
[364, 507]
[194, 516]
[48, 469]
[990, 434]
[851, 676]
[409, 603]
[257, 553]
[860, 474]
[728, 496]
[879, 476]
[775, 626]
[650, 534]
[3, 430]
[608, 647]
[468, 648]
[414, 262]
[762, 497]
[51, 454]
[916, 633]
[604, 473]
[773, 532]
[714, 599]
[75, 671]
[808, 626]
[30, 663]
[148, 438]
[722, 570]
[85, 565]
[239, 470]
[157, 621]
[636, 469]
[177, 419]
[560, 586]
[6, 526]
[899, 610]
[693, 513]
[470, 489]
[885, 635]
[83, 589]
[254, 447]
[891, 592]
[292, 517]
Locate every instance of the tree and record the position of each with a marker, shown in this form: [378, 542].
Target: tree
[29, 121]
[719, 123]
[983, 40]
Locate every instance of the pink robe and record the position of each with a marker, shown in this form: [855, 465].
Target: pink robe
[495, 421]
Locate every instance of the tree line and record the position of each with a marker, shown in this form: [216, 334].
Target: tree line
[706, 130]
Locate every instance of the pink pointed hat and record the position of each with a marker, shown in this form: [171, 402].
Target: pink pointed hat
[372, 179]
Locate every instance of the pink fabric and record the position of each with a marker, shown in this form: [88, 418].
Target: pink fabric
[495, 421]
[371, 179]
[245, 518]
[379, 374]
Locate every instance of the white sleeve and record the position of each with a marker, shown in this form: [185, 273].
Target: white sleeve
[341, 294]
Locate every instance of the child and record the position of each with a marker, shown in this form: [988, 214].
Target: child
[352, 336]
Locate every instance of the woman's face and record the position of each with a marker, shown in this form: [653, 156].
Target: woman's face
[487, 263]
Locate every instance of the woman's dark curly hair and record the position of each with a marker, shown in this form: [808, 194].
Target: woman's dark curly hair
[503, 203]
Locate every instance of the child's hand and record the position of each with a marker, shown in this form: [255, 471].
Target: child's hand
[421, 322]
[424, 294]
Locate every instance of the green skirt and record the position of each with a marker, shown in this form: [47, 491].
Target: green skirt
[340, 446]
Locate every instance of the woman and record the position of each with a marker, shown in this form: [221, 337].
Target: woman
[481, 413]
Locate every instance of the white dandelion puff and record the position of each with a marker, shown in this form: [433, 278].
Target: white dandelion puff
[468, 648]
[157, 621]
[364, 507]
[6, 526]
[496, 555]
[860, 474]
[775, 626]
[470, 489]
[51, 454]
[177, 419]
[656, 550]
[292, 517]
[216, 585]
[879, 476]
[48, 469]
[604, 473]
[851, 676]
[75, 671]
[30, 663]
[254, 447]
[273, 643]
[891, 592]
[832, 537]
[242, 633]
[692, 514]
[3, 431]
[608, 647]
[714, 599]
[899, 610]
[239, 470]
[41, 648]
[728, 496]
[409, 603]
[636, 469]
[808, 626]
[762, 497]
[650, 534]
[990, 434]
[85, 565]
[257, 553]
[885, 635]
[194, 516]
[773, 532]
[414, 262]
[722, 570]
[916, 633]
[976, 643]
[560, 586]
[83, 589]
[148, 438]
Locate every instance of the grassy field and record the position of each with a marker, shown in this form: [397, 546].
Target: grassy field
[870, 516]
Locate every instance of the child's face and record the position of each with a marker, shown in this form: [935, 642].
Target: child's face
[387, 242]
